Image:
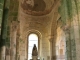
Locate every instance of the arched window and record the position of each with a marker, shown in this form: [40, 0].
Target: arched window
[32, 39]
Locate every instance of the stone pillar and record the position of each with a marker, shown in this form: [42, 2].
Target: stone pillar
[1, 12]
[17, 46]
[75, 30]
[54, 48]
[4, 34]
[68, 45]
[3, 53]
[51, 47]
[13, 41]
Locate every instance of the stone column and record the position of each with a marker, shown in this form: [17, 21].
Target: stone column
[70, 41]
[51, 47]
[54, 48]
[68, 45]
[13, 40]
[3, 53]
[17, 42]
[75, 30]
[4, 34]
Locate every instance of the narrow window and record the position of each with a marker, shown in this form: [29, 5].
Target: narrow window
[32, 39]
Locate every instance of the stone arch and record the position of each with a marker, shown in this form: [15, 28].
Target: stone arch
[53, 35]
[39, 39]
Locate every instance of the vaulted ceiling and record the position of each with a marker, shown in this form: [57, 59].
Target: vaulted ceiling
[33, 14]
[37, 14]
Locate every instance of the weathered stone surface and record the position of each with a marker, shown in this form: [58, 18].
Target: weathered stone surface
[58, 29]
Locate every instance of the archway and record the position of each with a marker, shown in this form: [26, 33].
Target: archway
[39, 36]
[32, 39]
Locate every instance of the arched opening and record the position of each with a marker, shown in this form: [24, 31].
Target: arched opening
[60, 44]
[32, 39]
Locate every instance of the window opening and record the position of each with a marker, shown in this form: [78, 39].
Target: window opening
[32, 39]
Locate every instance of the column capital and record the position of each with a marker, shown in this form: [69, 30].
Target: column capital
[14, 25]
[66, 28]
[51, 38]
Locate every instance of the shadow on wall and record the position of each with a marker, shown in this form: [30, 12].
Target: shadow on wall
[33, 5]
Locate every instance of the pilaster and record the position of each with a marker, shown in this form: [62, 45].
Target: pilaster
[4, 33]
[13, 40]
[52, 48]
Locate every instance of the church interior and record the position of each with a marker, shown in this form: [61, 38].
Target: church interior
[52, 25]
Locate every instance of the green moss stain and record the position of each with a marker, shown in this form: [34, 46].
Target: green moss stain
[4, 26]
[2, 1]
[13, 14]
[5, 39]
[73, 45]
[1, 11]
[1, 14]
[7, 3]
[68, 45]
[69, 7]
[13, 10]
[8, 37]
[67, 10]
[63, 10]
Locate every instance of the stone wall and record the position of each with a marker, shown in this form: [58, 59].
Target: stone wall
[44, 42]
[72, 14]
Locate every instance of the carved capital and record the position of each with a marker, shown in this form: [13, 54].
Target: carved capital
[14, 25]
[51, 38]
[66, 28]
